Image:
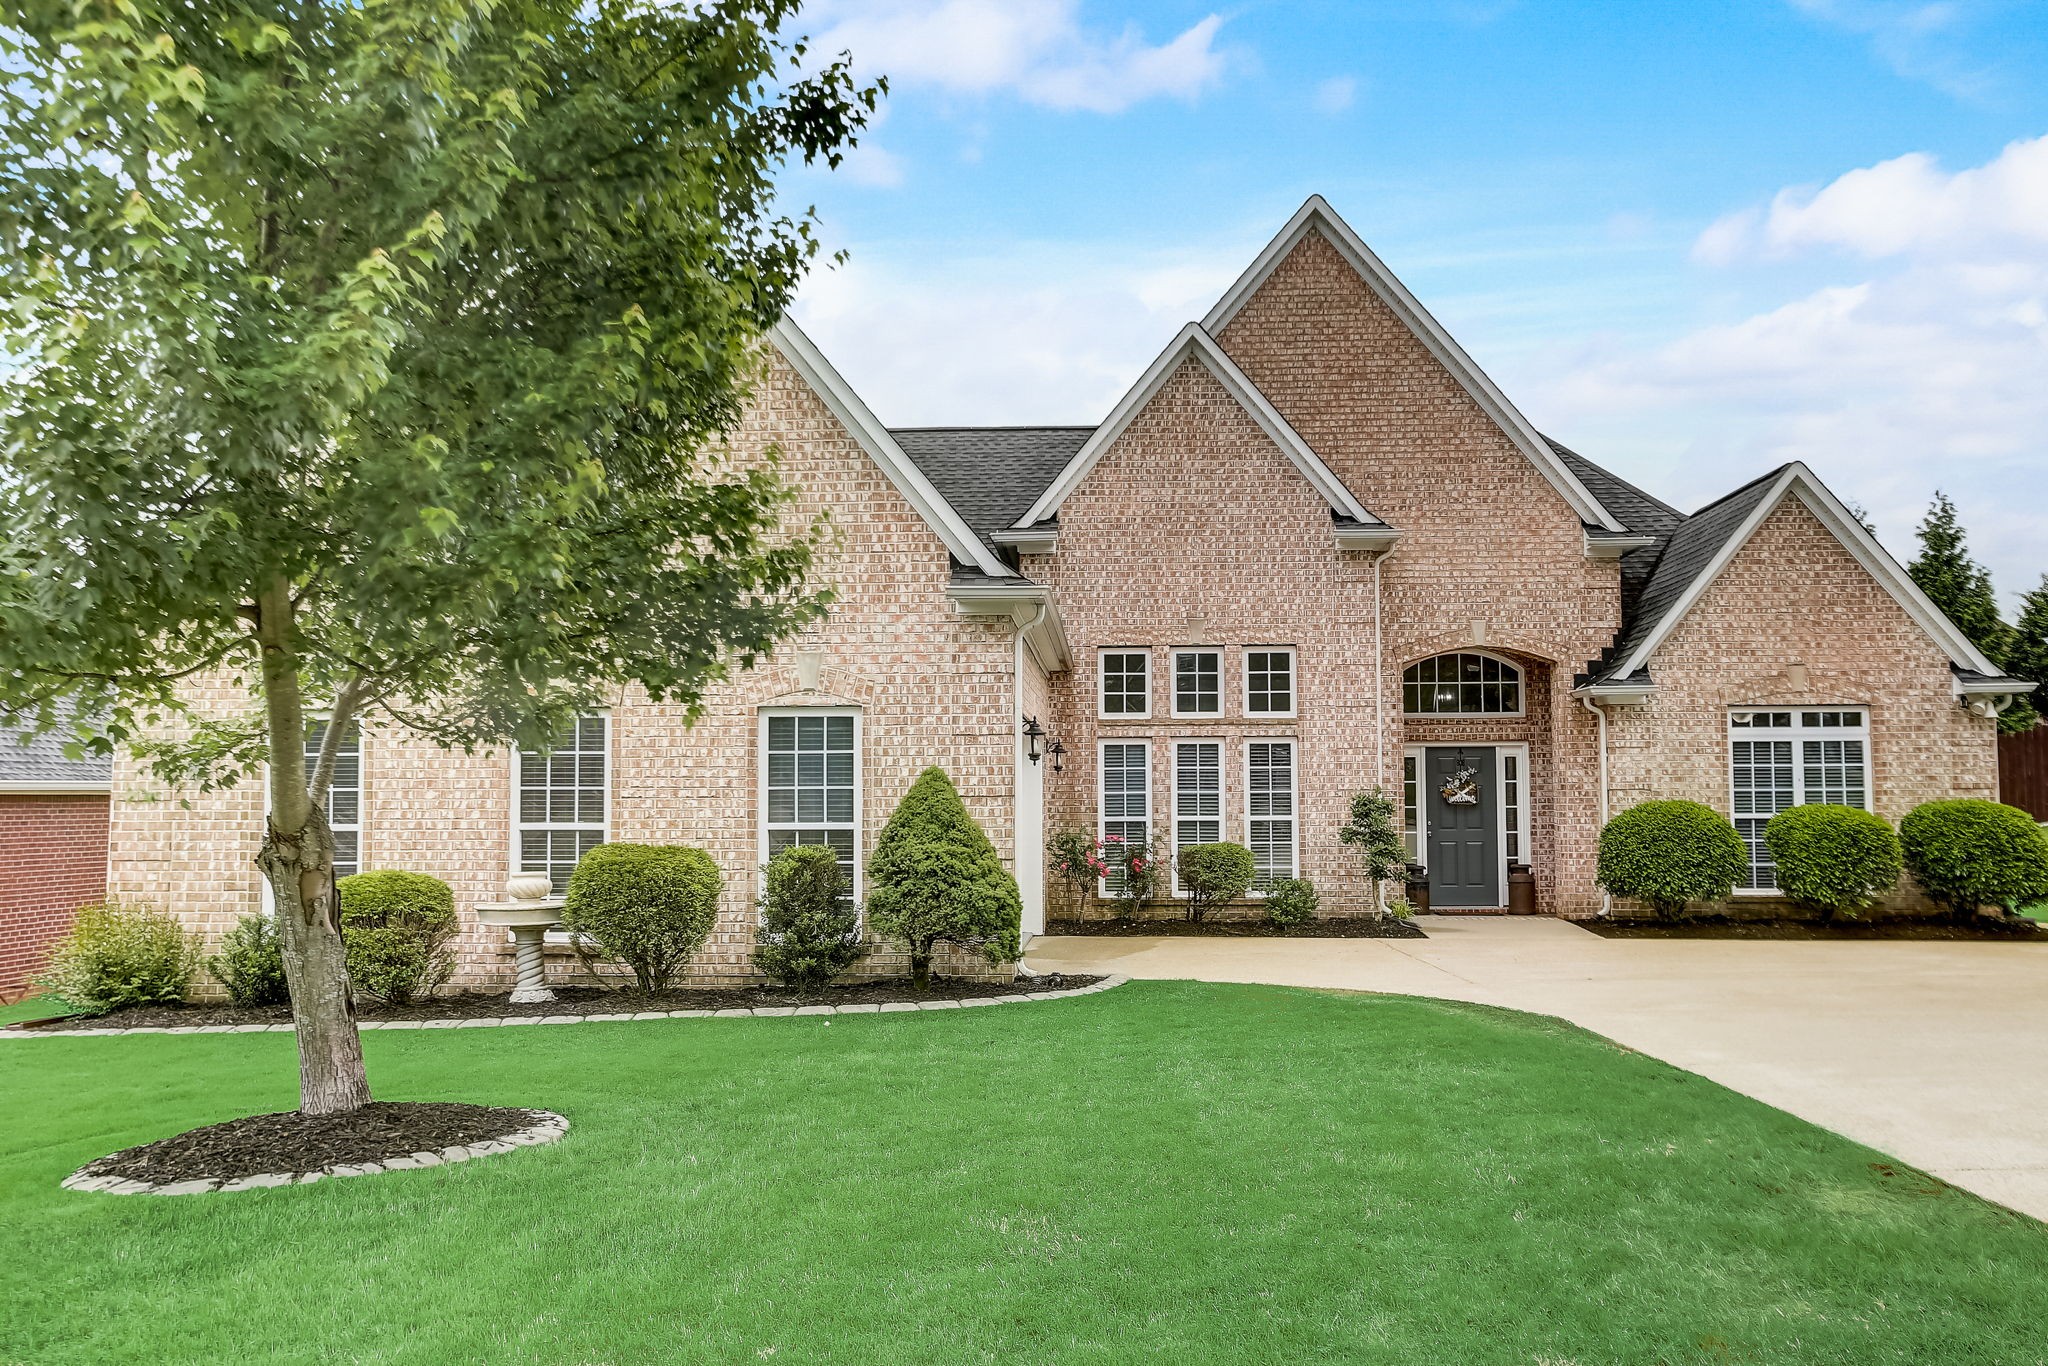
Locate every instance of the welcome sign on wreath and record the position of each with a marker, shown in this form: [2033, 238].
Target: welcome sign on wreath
[1461, 788]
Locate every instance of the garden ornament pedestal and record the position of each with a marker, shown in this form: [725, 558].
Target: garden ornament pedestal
[529, 917]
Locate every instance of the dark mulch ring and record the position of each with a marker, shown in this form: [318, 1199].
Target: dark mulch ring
[1335, 927]
[2014, 929]
[293, 1142]
[587, 1001]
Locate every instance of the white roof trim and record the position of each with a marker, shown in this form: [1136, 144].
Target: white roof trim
[55, 786]
[1318, 214]
[1797, 480]
[1194, 342]
[874, 438]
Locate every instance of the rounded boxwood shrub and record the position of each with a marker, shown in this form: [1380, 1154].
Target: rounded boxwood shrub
[250, 963]
[1833, 858]
[1212, 873]
[395, 927]
[1670, 853]
[649, 906]
[1967, 853]
[934, 877]
[118, 955]
[1291, 901]
[810, 928]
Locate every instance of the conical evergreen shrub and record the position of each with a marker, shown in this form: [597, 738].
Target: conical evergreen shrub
[935, 878]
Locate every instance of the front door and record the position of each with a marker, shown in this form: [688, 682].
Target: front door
[1463, 801]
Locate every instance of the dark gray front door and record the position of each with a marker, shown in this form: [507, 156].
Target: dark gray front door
[1464, 839]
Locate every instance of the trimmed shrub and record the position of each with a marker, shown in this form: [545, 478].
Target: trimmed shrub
[396, 927]
[1213, 873]
[1833, 858]
[1968, 853]
[118, 955]
[1291, 901]
[810, 928]
[648, 906]
[934, 878]
[250, 963]
[1671, 853]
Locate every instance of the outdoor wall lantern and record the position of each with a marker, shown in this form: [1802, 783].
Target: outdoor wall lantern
[1034, 739]
[1056, 750]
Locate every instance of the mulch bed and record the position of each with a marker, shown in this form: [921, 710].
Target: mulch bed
[293, 1142]
[1336, 927]
[1981, 928]
[586, 1001]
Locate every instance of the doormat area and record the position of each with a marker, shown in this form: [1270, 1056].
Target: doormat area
[1347, 927]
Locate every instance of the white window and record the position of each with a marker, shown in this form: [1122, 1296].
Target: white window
[344, 793]
[1197, 683]
[1780, 759]
[1511, 805]
[565, 799]
[1411, 812]
[1125, 801]
[1269, 683]
[1197, 797]
[1462, 684]
[1269, 810]
[1126, 683]
[810, 784]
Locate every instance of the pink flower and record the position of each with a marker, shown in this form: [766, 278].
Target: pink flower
[1136, 864]
[1113, 839]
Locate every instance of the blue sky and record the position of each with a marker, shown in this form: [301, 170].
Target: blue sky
[1692, 239]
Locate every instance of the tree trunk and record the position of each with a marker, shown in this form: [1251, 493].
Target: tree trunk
[921, 968]
[298, 859]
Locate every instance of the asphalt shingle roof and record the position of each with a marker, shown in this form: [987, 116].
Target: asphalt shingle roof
[1638, 511]
[991, 475]
[42, 760]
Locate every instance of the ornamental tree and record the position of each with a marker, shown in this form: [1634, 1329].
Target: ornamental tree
[375, 357]
[934, 877]
[1371, 830]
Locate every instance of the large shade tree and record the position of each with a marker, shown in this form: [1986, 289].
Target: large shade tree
[373, 356]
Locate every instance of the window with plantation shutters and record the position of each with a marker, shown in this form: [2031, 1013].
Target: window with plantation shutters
[565, 799]
[344, 793]
[1270, 820]
[810, 787]
[1125, 799]
[1197, 796]
[1784, 758]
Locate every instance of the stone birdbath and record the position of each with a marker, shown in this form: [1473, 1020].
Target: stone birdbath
[529, 910]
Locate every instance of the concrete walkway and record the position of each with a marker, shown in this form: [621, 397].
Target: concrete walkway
[1930, 1051]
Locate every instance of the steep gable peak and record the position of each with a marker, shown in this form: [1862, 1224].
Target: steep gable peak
[1194, 343]
[1316, 216]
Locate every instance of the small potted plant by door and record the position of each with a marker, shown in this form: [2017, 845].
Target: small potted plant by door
[1418, 887]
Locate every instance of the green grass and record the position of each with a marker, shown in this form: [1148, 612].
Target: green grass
[1167, 1172]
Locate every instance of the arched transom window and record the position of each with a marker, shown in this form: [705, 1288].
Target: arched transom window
[1462, 684]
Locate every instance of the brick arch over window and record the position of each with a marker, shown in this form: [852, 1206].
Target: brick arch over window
[1463, 683]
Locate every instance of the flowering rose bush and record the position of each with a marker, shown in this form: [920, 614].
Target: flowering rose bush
[1130, 869]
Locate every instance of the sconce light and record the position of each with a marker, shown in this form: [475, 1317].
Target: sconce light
[1034, 739]
[1056, 750]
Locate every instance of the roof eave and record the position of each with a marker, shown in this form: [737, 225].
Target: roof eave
[1045, 635]
[1601, 545]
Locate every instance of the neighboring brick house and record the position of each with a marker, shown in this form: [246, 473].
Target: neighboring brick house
[53, 848]
[1313, 550]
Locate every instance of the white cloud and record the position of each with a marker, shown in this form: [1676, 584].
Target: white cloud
[1038, 50]
[1930, 370]
[1051, 334]
[1337, 94]
[1919, 39]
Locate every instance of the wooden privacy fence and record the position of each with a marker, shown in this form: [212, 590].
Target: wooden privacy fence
[2023, 771]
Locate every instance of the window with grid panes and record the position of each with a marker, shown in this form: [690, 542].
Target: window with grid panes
[1126, 683]
[344, 793]
[1461, 684]
[564, 799]
[812, 784]
[1197, 683]
[1269, 682]
[1782, 758]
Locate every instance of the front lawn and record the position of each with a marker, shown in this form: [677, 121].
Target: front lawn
[1167, 1171]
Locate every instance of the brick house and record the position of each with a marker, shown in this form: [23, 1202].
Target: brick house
[1312, 550]
[53, 849]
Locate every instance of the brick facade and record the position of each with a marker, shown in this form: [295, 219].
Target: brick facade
[53, 859]
[1194, 528]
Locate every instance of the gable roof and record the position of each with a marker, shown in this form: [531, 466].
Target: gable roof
[1702, 545]
[966, 547]
[1195, 343]
[991, 475]
[40, 764]
[1317, 216]
[1640, 513]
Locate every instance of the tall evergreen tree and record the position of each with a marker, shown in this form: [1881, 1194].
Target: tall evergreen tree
[2028, 657]
[1961, 587]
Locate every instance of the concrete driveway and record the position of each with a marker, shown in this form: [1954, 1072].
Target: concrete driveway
[1932, 1052]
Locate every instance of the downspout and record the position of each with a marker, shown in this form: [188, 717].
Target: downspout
[1600, 713]
[1018, 756]
[1379, 681]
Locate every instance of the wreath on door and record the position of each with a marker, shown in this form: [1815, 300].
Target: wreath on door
[1461, 788]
